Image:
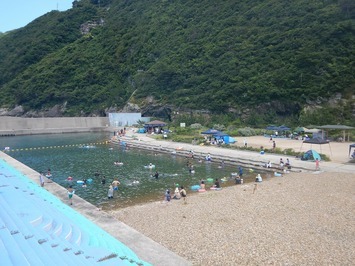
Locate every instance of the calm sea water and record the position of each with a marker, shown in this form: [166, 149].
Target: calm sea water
[90, 156]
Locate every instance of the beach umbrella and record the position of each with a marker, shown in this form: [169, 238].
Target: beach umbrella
[212, 131]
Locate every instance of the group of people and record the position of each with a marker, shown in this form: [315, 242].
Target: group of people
[286, 164]
[70, 190]
[282, 164]
[178, 194]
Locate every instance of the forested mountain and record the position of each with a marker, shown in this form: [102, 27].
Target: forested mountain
[256, 61]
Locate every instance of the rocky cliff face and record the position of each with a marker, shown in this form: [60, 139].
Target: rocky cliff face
[152, 108]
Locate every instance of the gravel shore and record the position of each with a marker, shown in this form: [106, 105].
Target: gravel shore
[297, 219]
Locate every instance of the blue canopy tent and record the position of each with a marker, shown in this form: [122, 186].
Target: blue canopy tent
[284, 128]
[278, 128]
[272, 127]
[217, 134]
[154, 126]
[211, 131]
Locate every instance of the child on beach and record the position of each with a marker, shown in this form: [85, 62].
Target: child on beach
[317, 165]
[167, 195]
[71, 192]
[110, 192]
[41, 179]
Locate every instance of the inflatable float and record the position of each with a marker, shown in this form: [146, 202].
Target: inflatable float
[215, 188]
[202, 190]
[151, 166]
[88, 181]
[277, 174]
[195, 187]
[224, 179]
[209, 180]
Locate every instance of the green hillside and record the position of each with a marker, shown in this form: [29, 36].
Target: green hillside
[258, 60]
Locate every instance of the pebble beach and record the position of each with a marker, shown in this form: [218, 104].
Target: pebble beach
[304, 218]
[298, 219]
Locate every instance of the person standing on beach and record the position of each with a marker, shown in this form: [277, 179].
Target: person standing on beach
[41, 179]
[110, 192]
[115, 184]
[273, 145]
[317, 165]
[183, 193]
[103, 180]
[71, 192]
[240, 171]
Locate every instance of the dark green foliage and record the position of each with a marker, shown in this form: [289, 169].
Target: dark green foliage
[263, 59]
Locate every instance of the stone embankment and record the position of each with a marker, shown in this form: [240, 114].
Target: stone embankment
[228, 156]
[12, 126]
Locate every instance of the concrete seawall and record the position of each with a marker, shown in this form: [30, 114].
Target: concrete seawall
[11, 126]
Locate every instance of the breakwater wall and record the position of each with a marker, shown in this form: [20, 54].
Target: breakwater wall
[249, 160]
[12, 126]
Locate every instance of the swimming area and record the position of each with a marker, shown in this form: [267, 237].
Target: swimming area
[90, 156]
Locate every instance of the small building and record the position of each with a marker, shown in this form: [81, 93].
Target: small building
[126, 119]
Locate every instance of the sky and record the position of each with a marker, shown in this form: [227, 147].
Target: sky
[15, 14]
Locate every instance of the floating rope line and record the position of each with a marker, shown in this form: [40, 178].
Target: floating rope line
[84, 146]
